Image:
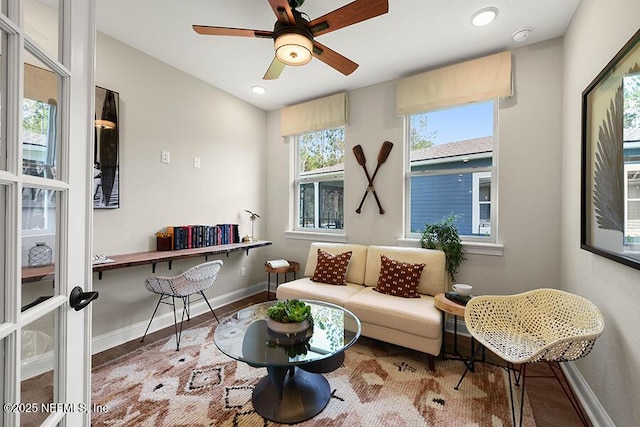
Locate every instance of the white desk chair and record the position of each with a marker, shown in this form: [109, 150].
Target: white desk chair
[193, 281]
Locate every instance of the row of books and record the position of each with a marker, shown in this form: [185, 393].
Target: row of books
[199, 236]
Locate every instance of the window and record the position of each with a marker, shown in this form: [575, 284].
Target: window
[451, 168]
[319, 180]
[631, 153]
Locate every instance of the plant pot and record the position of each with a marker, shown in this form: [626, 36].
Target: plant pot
[287, 328]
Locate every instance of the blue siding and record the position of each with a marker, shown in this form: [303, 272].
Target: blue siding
[435, 197]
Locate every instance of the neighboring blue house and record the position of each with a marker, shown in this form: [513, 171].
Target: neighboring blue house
[631, 152]
[466, 193]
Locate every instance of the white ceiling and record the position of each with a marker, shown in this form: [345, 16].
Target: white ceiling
[414, 36]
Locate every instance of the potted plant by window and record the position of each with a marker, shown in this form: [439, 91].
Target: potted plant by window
[443, 235]
[252, 216]
[289, 316]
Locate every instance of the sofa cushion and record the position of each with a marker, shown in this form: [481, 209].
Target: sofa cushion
[304, 288]
[331, 269]
[417, 316]
[433, 280]
[399, 278]
[355, 272]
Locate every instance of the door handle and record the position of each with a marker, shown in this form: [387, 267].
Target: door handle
[79, 299]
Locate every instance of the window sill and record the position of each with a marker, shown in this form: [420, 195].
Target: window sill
[335, 237]
[476, 248]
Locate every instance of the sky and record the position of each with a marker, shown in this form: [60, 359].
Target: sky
[465, 122]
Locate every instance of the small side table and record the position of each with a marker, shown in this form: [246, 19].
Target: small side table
[447, 306]
[292, 268]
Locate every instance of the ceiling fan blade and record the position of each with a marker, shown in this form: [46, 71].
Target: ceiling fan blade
[333, 59]
[227, 31]
[352, 13]
[283, 11]
[274, 70]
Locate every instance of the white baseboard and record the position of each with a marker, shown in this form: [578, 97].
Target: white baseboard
[43, 362]
[131, 332]
[592, 406]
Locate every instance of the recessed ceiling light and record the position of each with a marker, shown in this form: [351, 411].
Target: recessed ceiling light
[484, 16]
[258, 89]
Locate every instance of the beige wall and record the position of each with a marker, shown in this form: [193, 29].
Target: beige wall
[529, 177]
[598, 30]
[163, 108]
[539, 187]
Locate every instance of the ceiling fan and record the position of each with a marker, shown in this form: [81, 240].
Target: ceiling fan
[294, 34]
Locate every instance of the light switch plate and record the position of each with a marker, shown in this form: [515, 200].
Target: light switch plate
[166, 157]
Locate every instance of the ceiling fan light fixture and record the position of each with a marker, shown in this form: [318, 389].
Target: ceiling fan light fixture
[293, 49]
[105, 124]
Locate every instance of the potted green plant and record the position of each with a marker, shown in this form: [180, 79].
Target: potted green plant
[289, 316]
[443, 235]
[252, 216]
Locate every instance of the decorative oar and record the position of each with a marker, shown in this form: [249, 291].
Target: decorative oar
[382, 157]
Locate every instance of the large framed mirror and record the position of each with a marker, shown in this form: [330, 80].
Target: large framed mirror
[610, 217]
[106, 176]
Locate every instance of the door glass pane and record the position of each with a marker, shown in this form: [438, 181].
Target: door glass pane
[40, 118]
[3, 345]
[41, 22]
[39, 245]
[3, 109]
[37, 369]
[3, 251]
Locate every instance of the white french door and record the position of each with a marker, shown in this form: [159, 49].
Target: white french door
[46, 129]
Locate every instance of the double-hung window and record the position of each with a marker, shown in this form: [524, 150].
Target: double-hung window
[319, 180]
[451, 169]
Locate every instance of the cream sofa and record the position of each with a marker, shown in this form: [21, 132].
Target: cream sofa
[409, 322]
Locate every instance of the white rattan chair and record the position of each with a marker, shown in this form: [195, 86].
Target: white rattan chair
[193, 281]
[543, 325]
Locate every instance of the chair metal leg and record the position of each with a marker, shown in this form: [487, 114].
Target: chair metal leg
[187, 305]
[519, 376]
[207, 301]
[469, 366]
[568, 391]
[152, 316]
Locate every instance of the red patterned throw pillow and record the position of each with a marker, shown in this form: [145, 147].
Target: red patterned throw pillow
[331, 269]
[399, 278]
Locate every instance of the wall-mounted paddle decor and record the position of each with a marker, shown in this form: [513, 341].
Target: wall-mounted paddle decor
[106, 176]
[362, 161]
[610, 208]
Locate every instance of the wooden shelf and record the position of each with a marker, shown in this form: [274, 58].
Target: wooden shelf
[151, 257]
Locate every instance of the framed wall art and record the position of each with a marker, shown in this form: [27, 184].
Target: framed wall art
[106, 177]
[610, 205]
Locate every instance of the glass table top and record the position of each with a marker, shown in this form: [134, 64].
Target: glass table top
[244, 336]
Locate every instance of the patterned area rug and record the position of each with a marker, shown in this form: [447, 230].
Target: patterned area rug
[378, 385]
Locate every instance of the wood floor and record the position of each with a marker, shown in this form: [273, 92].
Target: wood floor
[551, 407]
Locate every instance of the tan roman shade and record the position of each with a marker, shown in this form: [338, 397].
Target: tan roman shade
[323, 113]
[476, 80]
[40, 84]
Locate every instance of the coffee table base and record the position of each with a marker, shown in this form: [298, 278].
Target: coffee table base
[304, 395]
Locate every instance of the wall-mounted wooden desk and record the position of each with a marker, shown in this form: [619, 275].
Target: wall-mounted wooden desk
[36, 274]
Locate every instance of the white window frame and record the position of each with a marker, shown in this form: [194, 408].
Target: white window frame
[486, 245]
[629, 167]
[311, 233]
[475, 208]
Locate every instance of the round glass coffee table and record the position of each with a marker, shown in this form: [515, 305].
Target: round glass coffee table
[294, 389]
